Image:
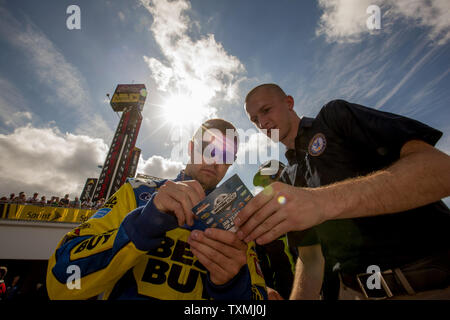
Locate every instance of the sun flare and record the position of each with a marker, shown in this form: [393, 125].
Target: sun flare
[183, 111]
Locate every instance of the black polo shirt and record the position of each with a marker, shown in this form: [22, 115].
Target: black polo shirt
[347, 140]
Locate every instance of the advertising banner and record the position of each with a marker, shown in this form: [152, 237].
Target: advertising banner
[128, 95]
[89, 189]
[45, 214]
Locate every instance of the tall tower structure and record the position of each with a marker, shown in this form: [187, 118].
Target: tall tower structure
[120, 162]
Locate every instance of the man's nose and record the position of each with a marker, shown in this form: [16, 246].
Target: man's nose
[263, 123]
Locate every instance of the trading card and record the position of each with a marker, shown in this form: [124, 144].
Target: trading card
[222, 205]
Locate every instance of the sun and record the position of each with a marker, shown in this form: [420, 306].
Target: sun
[184, 111]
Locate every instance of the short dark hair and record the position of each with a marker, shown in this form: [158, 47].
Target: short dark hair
[217, 123]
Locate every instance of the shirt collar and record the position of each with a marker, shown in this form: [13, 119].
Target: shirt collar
[305, 122]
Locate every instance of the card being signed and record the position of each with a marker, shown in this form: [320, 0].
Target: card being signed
[221, 206]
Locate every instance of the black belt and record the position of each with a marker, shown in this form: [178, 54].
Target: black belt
[427, 274]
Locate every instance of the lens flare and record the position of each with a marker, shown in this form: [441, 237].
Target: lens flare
[281, 200]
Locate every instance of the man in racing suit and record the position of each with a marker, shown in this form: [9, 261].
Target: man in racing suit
[146, 244]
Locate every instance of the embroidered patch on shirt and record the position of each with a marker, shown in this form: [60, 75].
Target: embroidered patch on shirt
[317, 145]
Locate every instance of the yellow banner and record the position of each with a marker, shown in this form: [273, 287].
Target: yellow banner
[126, 97]
[49, 214]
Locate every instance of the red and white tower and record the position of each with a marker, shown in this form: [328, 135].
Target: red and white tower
[120, 162]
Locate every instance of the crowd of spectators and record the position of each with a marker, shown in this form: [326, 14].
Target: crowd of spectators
[54, 201]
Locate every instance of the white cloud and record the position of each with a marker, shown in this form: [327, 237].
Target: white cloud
[410, 73]
[64, 82]
[200, 68]
[18, 119]
[160, 167]
[345, 20]
[47, 161]
[161, 74]
[432, 14]
[49, 64]
[374, 76]
[13, 106]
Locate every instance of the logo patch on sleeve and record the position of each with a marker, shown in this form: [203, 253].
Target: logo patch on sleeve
[101, 213]
[317, 145]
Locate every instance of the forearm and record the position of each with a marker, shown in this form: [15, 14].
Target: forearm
[421, 176]
[308, 275]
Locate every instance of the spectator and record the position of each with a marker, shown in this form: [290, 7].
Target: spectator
[43, 201]
[64, 202]
[100, 203]
[55, 202]
[33, 199]
[75, 203]
[14, 291]
[4, 199]
[87, 204]
[21, 198]
[12, 196]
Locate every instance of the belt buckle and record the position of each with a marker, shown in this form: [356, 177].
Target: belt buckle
[384, 285]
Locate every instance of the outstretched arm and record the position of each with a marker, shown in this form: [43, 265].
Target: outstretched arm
[420, 176]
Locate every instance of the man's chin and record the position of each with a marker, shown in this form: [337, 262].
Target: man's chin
[207, 181]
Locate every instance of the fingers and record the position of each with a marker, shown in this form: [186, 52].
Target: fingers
[262, 219]
[220, 251]
[218, 274]
[274, 233]
[266, 217]
[224, 242]
[252, 206]
[165, 203]
[267, 226]
[186, 194]
[197, 186]
[272, 294]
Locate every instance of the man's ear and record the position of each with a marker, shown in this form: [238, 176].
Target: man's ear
[290, 102]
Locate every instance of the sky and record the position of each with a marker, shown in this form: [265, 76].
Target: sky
[198, 59]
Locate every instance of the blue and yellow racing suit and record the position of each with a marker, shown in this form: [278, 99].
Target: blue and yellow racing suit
[130, 250]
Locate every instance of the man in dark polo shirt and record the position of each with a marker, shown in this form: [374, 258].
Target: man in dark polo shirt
[371, 188]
